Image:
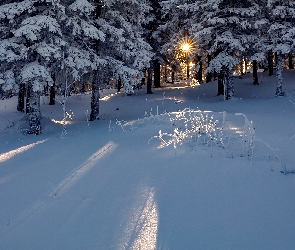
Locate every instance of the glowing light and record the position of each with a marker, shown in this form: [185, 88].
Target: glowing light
[186, 47]
[8, 155]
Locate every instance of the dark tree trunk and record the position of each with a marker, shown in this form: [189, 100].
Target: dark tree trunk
[157, 73]
[94, 114]
[199, 75]
[52, 91]
[241, 67]
[52, 95]
[290, 60]
[229, 80]
[187, 69]
[21, 98]
[119, 84]
[1, 91]
[270, 63]
[279, 90]
[255, 74]
[220, 89]
[95, 95]
[149, 80]
[174, 68]
[28, 92]
[165, 73]
[209, 74]
[215, 75]
[35, 113]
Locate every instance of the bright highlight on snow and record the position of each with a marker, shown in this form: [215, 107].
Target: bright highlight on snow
[62, 122]
[142, 229]
[8, 155]
[107, 97]
[147, 225]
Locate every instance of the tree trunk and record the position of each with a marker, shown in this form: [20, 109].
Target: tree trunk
[149, 80]
[35, 113]
[242, 63]
[94, 114]
[245, 65]
[290, 60]
[255, 73]
[187, 69]
[28, 92]
[270, 63]
[52, 95]
[215, 75]
[229, 80]
[220, 83]
[209, 74]
[279, 90]
[119, 85]
[200, 71]
[172, 76]
[1, 91]
[157, 74]
[52, 91]
[165, 73]
[21, 98]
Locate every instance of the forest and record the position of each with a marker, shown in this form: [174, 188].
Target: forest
[61, 47]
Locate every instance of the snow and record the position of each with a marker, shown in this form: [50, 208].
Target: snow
[99, 187]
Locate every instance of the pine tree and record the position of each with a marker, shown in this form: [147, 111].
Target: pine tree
[43, 30]
[32, 33]
[222, 28]
[175, 32]
[281, 15]
[124, 50]
[11, 51]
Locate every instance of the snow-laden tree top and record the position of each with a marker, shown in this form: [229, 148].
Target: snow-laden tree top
[12, 10]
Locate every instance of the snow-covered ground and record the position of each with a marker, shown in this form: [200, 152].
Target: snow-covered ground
[107, 186]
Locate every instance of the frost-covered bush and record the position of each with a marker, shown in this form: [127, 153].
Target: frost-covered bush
[196, 128]
[192, 126]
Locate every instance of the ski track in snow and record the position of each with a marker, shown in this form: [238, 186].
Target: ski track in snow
[63, 186]
[68, 182]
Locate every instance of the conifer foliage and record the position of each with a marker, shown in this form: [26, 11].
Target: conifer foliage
[55, 43]
[30, 43]
[281, 31]
[224, 28]
[71, 37]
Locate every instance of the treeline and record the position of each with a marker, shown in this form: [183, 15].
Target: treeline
[62, 45]
[226, 34]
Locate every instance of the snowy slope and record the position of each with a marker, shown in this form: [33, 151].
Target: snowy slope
[99, 187]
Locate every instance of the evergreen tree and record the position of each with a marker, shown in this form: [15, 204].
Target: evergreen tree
[124, 49]
[175, 32]
[75, 38]
[223, 27]
[151, 36]
[281, 15]
[35, 33]
[50, 37]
